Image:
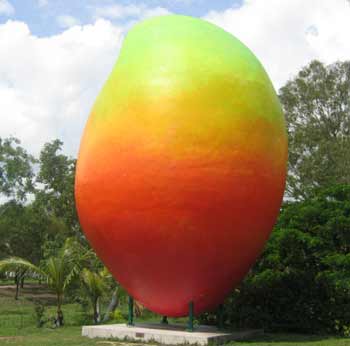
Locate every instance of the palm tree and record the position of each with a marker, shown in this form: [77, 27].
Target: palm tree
[95, 286]
[118, 294]
[58, 271]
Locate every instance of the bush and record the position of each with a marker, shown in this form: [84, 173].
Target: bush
[302, 281]
[118, 317]
[39, 310]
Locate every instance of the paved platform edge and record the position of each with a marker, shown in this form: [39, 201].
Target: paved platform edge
[204, 335]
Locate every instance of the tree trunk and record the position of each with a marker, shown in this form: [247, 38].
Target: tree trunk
[112, 305]
[95, 307]
[22, 281]
[98, 310]
[17, 282]
[59, 319]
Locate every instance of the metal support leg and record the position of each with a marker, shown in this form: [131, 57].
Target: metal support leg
[220, 316]
[190, 317]
[165, 320]
[131, 312]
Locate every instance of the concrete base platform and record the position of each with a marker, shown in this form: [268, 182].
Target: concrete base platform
[166, 334]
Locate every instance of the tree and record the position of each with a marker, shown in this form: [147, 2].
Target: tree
[56, 180]
[113, 304]
[95, 286]
[22, 234]
[21, 231]
[118, 294]
[59, 271]
[316, 104]
[302, 281]
[16, 170]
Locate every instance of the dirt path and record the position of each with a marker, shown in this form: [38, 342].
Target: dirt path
[29, 291]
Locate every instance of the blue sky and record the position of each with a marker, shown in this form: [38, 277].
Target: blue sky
[41, 15]
[55, 55]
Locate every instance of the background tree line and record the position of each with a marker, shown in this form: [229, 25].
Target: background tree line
[301, 281]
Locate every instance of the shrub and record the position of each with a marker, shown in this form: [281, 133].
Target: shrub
[118, 317]
[302, 280]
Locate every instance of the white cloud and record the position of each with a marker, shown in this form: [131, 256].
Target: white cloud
[43, 3]
[153, 12]
[67, 21]
[48, 85]
[6, 8]
[117, 11]
[286, 35]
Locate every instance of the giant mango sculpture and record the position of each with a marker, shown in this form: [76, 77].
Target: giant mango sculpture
[182, 165]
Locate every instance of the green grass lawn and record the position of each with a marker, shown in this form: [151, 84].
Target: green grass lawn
[293, 340]
[18, 325]
[71, 336]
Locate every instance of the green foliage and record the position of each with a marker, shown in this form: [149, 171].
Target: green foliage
[16, 263]
[16, 170]
[56, 178]
[118, 317]
[37, 229]
[316, 104]
[58, 271]
[302, 281]
[20, 225]
[95, 286]
[39, 310]
[93, 283]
